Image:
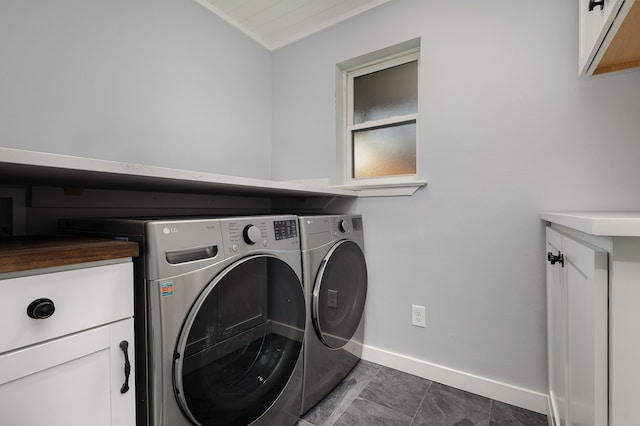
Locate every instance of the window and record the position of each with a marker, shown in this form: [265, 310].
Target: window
[380, 123]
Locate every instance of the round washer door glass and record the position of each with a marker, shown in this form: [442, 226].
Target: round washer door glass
[339, 294]
[240, 343]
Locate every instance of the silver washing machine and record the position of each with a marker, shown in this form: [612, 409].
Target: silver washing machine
[225, 318]
[335, 287]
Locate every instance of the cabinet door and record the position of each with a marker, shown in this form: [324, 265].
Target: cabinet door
[594, 25]
[556, 332]
[70, 381]
[586, 277]
[577, 315]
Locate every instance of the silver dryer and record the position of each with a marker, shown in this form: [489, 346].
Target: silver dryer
[335, 287]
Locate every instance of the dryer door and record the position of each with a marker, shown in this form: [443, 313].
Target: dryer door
[240, 343]
[339, 294]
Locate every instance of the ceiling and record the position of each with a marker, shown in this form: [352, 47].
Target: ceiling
[276, 23]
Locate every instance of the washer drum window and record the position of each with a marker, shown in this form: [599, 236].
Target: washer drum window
[240, 343]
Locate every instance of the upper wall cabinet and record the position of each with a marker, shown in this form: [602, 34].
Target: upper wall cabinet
[609, 35]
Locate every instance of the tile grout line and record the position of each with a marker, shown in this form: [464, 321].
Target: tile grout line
[382, 406]
[337, 413]
[421, 401]
[490, 409]
[376, 371]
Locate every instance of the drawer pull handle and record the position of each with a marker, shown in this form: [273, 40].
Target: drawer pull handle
[594, 3]
[124, 345]
[41, 308]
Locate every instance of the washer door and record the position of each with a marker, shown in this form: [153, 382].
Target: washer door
[240, 343]
[339, 294]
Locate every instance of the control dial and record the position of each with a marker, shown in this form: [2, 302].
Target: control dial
[343, 226]
[251, 234]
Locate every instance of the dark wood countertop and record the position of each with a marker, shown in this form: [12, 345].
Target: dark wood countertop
[26, 253]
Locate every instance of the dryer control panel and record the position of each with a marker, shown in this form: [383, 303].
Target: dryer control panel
[318, 231]
[346, 224]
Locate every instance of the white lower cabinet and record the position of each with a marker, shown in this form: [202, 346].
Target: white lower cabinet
[75, 367]
[577, 318]
[594, 317]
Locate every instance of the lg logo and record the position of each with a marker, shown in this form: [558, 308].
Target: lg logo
[168, 230]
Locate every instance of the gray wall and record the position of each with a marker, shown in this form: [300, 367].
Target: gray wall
[507, 129]
[157, 82]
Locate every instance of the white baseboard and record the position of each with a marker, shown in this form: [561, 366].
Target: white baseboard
[550, 418]
[492, 389]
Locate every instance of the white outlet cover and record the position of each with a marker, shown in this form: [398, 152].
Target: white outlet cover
[418, 316]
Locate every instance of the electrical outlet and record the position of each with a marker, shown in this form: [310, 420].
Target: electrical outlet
[418, 316]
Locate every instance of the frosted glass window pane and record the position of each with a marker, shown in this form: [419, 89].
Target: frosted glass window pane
[385, 151]
[386, 93]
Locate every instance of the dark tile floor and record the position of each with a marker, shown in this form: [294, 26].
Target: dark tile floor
[374, 395]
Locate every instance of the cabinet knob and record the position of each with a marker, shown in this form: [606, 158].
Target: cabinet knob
[594, 3]
[553, 258]
[41, 308]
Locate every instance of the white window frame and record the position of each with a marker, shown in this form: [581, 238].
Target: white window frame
[384, 185]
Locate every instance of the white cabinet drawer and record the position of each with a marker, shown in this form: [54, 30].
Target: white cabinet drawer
[83, 298]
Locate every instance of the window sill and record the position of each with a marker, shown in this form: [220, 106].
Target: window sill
[395, 189]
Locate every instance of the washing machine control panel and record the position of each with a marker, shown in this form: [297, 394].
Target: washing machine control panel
[285, 229]
[239, 234]
[251, 234]
[242, 235]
